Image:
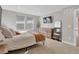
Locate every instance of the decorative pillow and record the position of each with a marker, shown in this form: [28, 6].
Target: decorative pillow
[1, 36]
[17, 33]
[6, 32]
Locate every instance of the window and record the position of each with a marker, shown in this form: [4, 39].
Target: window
[29, 23]
[20, 26]
[24, 22]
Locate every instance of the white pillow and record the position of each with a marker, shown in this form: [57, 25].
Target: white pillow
[1, 36]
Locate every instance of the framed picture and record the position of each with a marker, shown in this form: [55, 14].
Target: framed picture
[47, 19]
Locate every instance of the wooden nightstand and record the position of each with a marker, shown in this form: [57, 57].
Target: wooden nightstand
[3, 48]
[40, 37]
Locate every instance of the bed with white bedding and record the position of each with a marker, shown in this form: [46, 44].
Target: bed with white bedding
[21, 41]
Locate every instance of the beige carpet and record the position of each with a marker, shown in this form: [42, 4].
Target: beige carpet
[50, 47]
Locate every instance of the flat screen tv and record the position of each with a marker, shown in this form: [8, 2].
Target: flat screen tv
[47, 19]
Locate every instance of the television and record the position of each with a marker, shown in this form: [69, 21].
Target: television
[47, 19]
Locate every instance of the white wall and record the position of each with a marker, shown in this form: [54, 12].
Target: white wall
[9, 18]
[0, 14]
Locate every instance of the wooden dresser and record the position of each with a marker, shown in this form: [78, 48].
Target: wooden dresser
[46, 32]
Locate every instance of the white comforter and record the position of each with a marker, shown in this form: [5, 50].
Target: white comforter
[21, 41]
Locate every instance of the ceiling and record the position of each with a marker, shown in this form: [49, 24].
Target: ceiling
[38, 10]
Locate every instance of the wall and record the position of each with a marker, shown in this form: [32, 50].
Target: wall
[9, 18]
[66, 16]
[68, 26]
[0, 14]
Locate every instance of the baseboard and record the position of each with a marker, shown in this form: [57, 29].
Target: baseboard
[69, 43]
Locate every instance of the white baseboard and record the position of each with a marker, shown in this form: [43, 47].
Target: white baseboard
[69, 43]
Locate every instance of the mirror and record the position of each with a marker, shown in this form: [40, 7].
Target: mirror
[57, 24]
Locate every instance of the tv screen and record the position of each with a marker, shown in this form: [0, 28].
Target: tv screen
[47, 19]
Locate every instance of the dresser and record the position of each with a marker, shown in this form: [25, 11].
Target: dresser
[47, 32]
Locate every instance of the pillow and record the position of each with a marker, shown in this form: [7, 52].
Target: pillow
[1, 36]
[17, 33]
[13, 32]
[6, 32]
